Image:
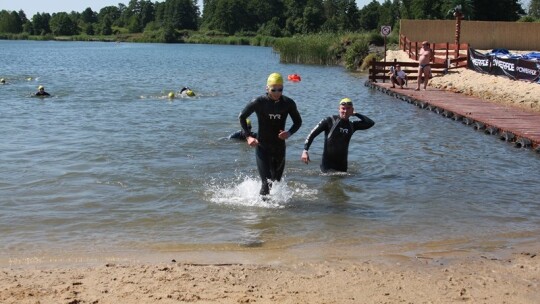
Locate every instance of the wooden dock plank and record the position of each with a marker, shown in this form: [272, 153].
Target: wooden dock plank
[507, 119]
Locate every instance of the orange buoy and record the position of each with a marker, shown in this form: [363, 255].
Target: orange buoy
[294, 77]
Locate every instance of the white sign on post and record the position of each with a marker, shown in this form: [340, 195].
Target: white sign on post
[386, 30]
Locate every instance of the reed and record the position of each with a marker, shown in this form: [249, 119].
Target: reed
[324, 49]
[312, 49]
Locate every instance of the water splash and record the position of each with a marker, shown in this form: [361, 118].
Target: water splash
[244, 191]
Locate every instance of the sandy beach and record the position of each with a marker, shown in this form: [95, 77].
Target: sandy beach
[520, 94]
[511, 275]
[425, 279]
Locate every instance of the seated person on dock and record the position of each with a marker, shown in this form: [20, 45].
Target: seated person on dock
[398, 76]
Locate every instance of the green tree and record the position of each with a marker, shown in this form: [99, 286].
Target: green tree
[313, 17]
[106, 26]
[89, 16]
[369, 16]
[467, 8]
[10, 22]
[89, 30]
[500, 10]
[341, 16]
[180, 14]
[351, 20]
[293, 14]
[147, 13]
[41, 23]
[61, 24]
[534, 9]
[229, 16]
[22, 16]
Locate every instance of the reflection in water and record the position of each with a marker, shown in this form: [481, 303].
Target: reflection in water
[334, 192]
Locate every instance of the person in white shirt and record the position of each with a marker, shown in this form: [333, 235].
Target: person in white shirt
[397, 76]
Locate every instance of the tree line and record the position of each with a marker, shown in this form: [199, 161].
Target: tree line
[276, 18]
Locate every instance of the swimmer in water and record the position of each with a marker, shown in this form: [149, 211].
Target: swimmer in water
[187, 92]
[240, 133]
[41, 91]
[338, 130]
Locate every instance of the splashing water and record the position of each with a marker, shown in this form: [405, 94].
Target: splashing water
[244, 191]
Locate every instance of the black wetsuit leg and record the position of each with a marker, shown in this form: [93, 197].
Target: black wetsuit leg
[333, 165]
[270, 163]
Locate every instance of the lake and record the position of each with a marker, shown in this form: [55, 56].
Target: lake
[109, 167]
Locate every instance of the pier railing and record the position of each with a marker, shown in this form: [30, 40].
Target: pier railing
[380, 70]
[454, 55]
[447, 56]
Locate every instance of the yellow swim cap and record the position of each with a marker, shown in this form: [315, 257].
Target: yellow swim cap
[248, 121]
[274, 78]
[171, 95]
[190, 93]
[345, 101]
[40, 87]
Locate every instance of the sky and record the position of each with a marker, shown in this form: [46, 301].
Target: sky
[31, 7]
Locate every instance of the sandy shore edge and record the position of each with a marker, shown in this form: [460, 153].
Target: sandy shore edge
[444, 278]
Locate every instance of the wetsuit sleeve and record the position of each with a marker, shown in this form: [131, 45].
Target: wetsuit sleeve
[237, 135]
[246, 112]
[296, 118]
[364, 122]
[321, 126]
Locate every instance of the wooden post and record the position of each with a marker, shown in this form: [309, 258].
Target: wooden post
[459, 15]
[373, 70]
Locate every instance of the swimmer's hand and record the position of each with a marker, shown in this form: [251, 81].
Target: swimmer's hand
[305, 157]
[252, 141]
[284, 135]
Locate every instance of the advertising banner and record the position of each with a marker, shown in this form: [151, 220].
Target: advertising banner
[513, 68]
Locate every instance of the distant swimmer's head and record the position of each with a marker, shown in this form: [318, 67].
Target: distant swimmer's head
[2, 81]
[248, 121]
[190, 93]
[171, 95]
[41, 88]
[274, 79]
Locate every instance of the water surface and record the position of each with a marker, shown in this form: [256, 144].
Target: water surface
[110, 165]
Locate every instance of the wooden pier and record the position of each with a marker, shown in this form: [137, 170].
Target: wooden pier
[519, 127]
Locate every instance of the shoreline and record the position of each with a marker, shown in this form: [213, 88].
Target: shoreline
[439, 273]
[512, 277]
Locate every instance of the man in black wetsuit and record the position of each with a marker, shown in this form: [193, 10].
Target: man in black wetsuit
[41, 92]
[338, 130]
[272, 110]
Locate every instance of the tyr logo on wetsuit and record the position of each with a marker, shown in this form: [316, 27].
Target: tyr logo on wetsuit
[274, 116]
